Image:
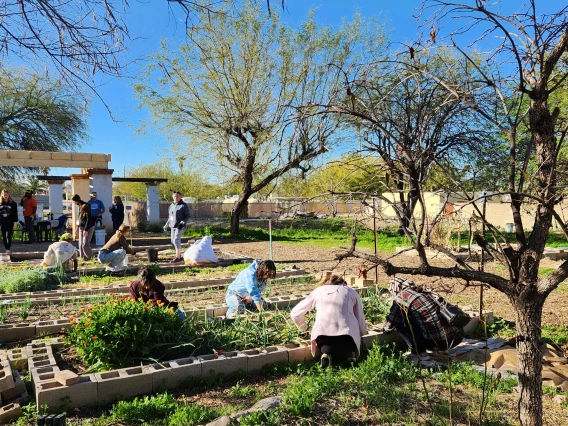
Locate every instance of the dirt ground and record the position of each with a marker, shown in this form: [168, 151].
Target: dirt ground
[316, 259]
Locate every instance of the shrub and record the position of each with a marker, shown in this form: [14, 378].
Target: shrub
[27, 280]
[121, 332]
[156, 227]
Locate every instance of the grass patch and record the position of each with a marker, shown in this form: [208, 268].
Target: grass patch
[322, 233]
[555, 335]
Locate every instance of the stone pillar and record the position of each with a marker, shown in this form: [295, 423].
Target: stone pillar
[80, 186]
[101, 183]
[56, 197]
[152, 202]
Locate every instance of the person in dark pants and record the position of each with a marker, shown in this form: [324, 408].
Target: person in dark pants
[117, 213]
[29, 204]
[340, 321]
[416, 316]
[8, 218]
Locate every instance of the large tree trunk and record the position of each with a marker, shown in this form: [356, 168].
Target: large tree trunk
[528, 312]
[240, 206]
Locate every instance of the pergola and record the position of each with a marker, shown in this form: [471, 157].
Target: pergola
[95, 176]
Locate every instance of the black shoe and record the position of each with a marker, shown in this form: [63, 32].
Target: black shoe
[325, 361]
[351, 357]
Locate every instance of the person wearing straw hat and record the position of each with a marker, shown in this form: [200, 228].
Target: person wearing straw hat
[61, 253]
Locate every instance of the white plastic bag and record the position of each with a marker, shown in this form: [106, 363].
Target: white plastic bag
[200, 253]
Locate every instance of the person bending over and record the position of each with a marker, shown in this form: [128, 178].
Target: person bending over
[416, 316]
[340, 320]
[244, 291]
[148, 287]
[62, 253]
[115, 250]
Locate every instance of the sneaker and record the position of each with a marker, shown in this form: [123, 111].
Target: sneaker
[176, 260]
[325, 361]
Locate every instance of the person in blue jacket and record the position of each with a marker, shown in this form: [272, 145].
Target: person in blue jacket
[245, 291]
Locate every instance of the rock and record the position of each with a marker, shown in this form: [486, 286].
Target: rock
[221, 421]
[560, 399]
[265, 404]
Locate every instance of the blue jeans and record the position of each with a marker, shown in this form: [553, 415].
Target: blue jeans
[114, 258]
[237, 306]
[176, 238]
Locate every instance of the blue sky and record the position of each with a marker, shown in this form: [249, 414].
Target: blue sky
[150, 21]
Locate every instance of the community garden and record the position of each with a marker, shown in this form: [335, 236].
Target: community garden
[203, 368]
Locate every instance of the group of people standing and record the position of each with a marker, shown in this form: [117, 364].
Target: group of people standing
[90, 213]
[9, 217]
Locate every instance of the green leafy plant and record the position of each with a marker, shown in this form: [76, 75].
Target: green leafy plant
[155, 227]
[123, 332]
[148, 410]
[4, 313]
[193, 415]
[239, 391]
[24, 309]
[27, 280]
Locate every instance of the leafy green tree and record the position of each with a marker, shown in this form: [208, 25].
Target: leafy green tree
[238, 95]
[190, 183]
[37, 114]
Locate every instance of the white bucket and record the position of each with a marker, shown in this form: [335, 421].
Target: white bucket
[100, 236]
[509, 227]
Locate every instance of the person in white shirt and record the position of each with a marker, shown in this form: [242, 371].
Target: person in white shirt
[62, 253]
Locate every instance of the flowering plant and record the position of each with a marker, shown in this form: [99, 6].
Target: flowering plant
[122, 332]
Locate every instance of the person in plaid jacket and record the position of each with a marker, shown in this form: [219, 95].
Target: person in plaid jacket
[416, 316]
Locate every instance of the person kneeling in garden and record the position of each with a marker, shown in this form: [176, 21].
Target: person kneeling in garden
[148, 289]
[416, 316]
[340, 320]
[244, 291]
[62, 253]
[115, 250]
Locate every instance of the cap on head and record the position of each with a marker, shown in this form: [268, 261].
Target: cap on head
[66, 237]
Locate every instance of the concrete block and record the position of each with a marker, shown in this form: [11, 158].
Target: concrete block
[21, 399]
[298, 352]
[41, 361]
[43, 374]
[124, 383]
[18, 389]
[9, 413]
[66, 377]
[269, 355]
[228, 363]
[174, 374]
[50, 327]
[370, 338]
[16, 332]
[18, 358]
[6, 377]
[362, 282]
[221, 310]
[38, 349]
[54, 342]
[62, 398]
[350, 280]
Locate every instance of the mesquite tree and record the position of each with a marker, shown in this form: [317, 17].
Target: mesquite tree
[231, 96]
[510, 90]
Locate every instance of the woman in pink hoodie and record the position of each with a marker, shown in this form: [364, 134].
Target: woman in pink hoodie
[340, 321]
